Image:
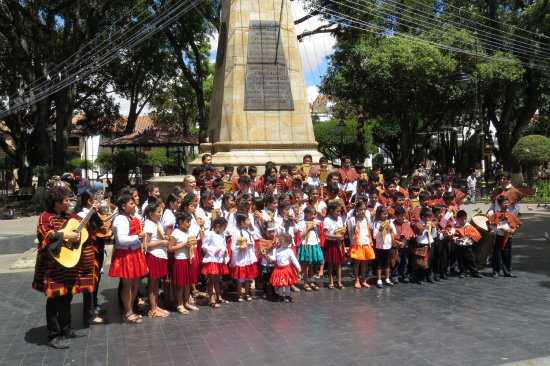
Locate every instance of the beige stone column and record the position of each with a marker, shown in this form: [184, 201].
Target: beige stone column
[241, 132]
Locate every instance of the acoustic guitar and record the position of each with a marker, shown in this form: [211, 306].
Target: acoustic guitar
[69, 255]
[103, 232]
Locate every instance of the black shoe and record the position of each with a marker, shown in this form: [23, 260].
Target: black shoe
[59, 342]
[495, 275]
[430, 280]
[406, 280]
[477, 275]
[76, 333]
[461, 275]
[436, 279]
[510, 275]
[290, 299]
[388, 283]
[100, 311]
[285, 299]
[420, 282]
[379, 285]
[444, 277]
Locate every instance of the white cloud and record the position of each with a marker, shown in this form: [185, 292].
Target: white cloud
[312, 93]
[124, 106]
[313, 49]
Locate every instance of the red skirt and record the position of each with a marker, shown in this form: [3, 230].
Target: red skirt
[184, 274]
[228, 241]
[158, 267]
[249, 272]
[213, 268]
[332, 253]
[127, 263]
[199, 253]
[284, 276]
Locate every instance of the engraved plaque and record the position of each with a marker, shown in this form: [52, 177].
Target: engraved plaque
[267, 84]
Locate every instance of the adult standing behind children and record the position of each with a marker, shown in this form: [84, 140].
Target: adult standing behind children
[506, 189]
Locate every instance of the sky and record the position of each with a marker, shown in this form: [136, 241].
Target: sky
[313, 51]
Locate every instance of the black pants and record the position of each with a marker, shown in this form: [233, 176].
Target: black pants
[466, 259]
[269, 290]
[58, 315]
[90, 299]
[426, 274]
[502, 257]
[442, 262]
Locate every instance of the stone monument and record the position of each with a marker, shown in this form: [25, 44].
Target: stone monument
[259, 109]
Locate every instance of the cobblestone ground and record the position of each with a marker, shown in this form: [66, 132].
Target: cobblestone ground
[456, 322]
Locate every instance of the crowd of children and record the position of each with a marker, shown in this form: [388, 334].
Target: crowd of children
[272, 231]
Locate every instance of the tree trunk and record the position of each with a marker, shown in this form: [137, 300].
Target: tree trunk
[360, 144]
[64, 101]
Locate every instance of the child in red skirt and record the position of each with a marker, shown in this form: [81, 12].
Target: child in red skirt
[287, 269]
[243, 261]
[334, 250]
[185, 263]
[128, 260]
[157, 256]
[215, 259]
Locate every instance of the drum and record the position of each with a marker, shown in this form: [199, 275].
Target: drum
[484, 246]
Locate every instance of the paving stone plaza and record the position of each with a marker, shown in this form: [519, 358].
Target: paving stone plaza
[465, 321]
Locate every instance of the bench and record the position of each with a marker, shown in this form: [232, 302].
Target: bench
[529, 192]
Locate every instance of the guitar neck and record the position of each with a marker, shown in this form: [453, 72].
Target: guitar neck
[85, 220]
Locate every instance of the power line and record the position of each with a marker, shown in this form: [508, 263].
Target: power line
[360, 25]
[165, 19]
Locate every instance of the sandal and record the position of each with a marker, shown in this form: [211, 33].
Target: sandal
[314, 287]
[307, 287]
[180, 309]
[191, 307]
[135, 320]
[330, 286]
[223, 301]
[317, 277]
[96, 321]
[163, 310]
[357, 284]
[240, 298]
[157, 313]
[340, 286]
[249, 298]
[215, 305]
[365, 284]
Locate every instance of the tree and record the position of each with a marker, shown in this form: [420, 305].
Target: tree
[402, 87]
[189, 42]
[40, 35]
[532, 151]
[120, 164]
[330, 140]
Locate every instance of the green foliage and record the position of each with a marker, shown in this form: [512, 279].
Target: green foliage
[532, 150]
[43, 172]
[122, 161]
[543, 190]
[333, 144]
[79, 163]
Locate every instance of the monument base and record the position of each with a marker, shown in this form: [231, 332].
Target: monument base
[245, 153]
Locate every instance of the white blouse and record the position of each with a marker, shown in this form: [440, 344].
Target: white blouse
[364, 227]
[383, 242]
[121, 231]
[285, 256]
[160, 251]
[330, 225]
[242, 258]
[210, 245]
[314, 234]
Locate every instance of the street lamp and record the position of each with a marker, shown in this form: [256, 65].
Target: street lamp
[481, 127]
[50, 131]
[341, 127]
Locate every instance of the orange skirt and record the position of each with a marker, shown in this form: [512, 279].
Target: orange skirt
[284, 276]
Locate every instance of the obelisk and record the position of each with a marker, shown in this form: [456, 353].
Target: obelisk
[259, 109]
